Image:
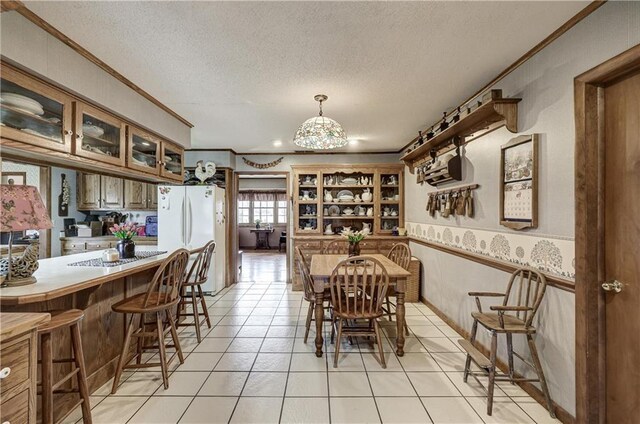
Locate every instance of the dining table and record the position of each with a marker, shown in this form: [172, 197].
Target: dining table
[322, 267]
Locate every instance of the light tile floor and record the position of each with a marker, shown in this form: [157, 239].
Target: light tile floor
[253, 367]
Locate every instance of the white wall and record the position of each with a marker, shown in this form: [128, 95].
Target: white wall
[545, 84]
[58, 221]
[30, 46]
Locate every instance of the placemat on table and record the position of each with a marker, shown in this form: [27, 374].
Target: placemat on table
[97, 262]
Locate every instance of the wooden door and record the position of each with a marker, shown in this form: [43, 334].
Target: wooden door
[98, 135]
[135, 195]
[172, 162]
[88, 191]
[112, 192]
[143, 151]
[621, 241]
[152, 197]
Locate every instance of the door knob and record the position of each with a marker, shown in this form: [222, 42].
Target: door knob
[612, 286]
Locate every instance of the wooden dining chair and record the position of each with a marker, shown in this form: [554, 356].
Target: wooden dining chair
[337, 247]
[197, 276]
[401, 255]
[309, 294]
[358, 287]
[520, 302]
[162, 295]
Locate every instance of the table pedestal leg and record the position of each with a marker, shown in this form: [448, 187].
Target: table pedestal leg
[400, 317]
[319, 323]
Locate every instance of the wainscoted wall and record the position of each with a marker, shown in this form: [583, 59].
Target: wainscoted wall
[551, 255]
[545, 84]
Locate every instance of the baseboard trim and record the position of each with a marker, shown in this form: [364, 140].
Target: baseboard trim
[531, 390]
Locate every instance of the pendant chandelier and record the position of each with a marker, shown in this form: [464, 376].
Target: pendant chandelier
[320, 132]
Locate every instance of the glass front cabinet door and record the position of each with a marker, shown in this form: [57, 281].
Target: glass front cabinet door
[172, 162]
[33, 112]
[143, 151]
[98, 135]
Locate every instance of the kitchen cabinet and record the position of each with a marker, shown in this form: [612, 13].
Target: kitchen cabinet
[98, 135]
[172, 162]
[99, 192]
[19, 362]
[140, 196]
[88, 191]
[135, 195]
[73, 245]
[34, 113]
[143, 151]
[112, 192]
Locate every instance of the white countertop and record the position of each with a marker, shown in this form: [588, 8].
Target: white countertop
[56, 278]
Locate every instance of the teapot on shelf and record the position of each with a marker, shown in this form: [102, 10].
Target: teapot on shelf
[328, 197]
[367, 196]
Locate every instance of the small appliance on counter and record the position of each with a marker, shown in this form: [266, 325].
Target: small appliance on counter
[89, 229]
[151, 226]
[70, 229]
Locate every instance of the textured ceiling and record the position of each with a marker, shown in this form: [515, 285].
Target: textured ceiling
[245, 73]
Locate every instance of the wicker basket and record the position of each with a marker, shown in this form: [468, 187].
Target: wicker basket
[412, 293]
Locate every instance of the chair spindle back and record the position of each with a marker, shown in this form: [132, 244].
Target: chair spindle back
[526, 288]
[168, 279]
[400, 254]
[307, 281]
[198, 273]
[358, 286]
[337, 247]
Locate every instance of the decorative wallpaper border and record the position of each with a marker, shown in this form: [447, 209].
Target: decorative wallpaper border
[555, 256]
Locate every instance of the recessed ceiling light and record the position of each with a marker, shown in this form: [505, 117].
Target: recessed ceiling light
[277, 143]
[353, 142]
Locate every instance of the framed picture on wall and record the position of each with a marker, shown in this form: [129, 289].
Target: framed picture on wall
[14, 178]
[519, 183]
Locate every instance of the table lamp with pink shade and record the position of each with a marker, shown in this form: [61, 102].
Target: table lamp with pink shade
[21, 209]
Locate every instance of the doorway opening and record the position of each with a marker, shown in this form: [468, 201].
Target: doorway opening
[263, 216]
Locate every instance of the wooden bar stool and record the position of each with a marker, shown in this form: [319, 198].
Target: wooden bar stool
[198, 275]
[59, 320]
[163, 294]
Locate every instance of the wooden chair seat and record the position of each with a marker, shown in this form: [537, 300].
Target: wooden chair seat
[512, 324]
[136, 304]
[61, 319]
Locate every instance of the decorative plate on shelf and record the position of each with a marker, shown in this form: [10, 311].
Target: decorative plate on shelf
[23, 103]
[92, 130]
[349, 181]
[334, 210]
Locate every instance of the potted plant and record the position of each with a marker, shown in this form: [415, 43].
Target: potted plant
[257, 221]
[125, 234]
[354, 238]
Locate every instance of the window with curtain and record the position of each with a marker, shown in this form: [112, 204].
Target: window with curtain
[268, 207]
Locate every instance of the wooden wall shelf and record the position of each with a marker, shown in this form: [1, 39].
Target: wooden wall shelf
[490, 115]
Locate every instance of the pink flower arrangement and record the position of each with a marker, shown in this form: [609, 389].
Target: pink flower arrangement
[125, 231]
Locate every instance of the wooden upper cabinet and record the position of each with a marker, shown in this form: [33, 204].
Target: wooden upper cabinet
[88, 191]
[143, 151]
[152, 196]
[98, 135]
[112, 192]
[172, 162]
[135, 195]
[33, 112]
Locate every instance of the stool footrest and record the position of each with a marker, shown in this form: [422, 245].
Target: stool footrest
[65, 379]
[476, 356]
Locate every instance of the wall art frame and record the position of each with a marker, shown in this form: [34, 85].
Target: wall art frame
[519, 182]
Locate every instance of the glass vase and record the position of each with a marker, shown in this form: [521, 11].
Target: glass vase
[354, 249]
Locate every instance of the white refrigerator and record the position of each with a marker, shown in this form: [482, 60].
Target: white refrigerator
[190, 216]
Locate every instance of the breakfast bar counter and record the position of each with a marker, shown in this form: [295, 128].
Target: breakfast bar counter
[93, 289]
